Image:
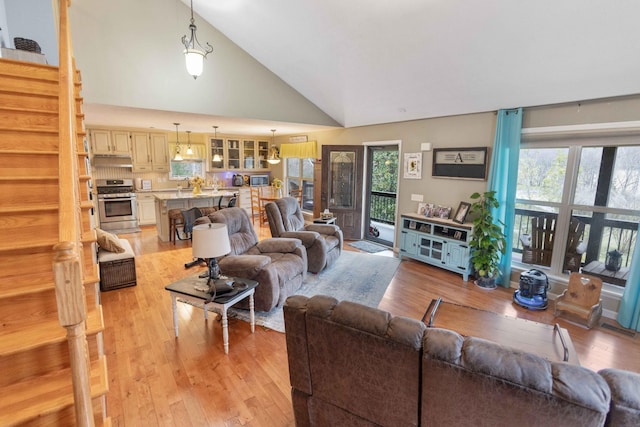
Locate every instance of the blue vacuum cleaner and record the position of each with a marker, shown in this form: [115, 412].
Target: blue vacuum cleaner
[532, 292]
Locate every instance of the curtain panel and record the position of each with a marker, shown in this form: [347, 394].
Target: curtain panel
[629, 311]
[299, 150]
[503, 179]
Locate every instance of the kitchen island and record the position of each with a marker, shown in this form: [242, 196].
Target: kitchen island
[166, 201]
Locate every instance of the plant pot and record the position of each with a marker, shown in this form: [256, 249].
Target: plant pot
[486, 282]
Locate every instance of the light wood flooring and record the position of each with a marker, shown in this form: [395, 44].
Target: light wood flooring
[157, 379]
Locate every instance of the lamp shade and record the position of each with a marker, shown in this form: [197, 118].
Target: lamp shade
[194, 61]
[210, 241]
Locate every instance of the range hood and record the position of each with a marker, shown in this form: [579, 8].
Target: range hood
[112, 162]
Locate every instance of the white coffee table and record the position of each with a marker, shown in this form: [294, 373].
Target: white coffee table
[184, 290]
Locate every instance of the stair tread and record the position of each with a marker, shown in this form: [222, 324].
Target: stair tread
[39, 396]
[27, 337]
[35, 283]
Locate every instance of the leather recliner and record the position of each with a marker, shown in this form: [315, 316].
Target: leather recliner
[278, 265]
[323, 241]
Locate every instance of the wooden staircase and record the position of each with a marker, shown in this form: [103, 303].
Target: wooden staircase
[45, 202]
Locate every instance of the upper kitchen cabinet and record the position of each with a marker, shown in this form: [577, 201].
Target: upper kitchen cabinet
[114, 143]
[150, 152]
[249, 154]
[263, 154]
[216, 154]
[233, 154]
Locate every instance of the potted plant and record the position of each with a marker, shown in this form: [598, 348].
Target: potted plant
[487, 239]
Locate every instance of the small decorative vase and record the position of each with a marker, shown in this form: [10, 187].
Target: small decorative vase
[197, 189]
[279, 192]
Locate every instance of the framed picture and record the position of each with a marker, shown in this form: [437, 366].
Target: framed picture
[463, 163]
[413, 165]
[462, 212]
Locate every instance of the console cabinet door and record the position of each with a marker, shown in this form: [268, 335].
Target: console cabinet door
[159, 152]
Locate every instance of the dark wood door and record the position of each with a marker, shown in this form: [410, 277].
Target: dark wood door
[342, 175]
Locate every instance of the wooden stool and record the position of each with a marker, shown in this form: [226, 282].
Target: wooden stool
[175, 219]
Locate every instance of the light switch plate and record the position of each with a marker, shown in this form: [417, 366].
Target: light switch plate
[417, 198]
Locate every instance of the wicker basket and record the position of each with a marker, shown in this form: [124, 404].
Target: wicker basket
[117, 274]
[26, 44]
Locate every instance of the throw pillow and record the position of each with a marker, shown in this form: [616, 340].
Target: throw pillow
[109, 242]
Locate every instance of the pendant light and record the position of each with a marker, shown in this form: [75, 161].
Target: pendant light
[194, 52]
[189, 150]
[216, 157]
[178, 156]
[274, 153]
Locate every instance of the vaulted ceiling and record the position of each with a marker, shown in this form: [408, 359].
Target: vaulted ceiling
[366, 62]
[358, 62]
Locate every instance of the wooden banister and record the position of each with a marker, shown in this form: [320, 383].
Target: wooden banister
[67, 264]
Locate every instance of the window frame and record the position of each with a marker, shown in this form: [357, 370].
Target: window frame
[574, 138]
[299, 178]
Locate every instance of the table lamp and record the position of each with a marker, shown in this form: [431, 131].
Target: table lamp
[209, 242]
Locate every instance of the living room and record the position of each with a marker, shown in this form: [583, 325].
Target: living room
[156, 378]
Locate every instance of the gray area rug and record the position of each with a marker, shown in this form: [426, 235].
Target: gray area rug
[366, 246]
[357, 277]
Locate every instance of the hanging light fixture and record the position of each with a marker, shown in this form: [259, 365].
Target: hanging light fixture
[216, 157]
[189, 150]
[194, 52]
[274, 153]
[178, 156]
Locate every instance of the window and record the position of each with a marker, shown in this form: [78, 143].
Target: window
[587, 193]
[299, 176]
[185, 169]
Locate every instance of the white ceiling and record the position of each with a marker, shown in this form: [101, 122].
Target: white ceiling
[371, 61]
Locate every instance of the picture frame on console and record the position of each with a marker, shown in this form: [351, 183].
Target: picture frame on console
[461, 213]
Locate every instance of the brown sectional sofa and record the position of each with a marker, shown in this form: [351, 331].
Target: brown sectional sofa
[352, 365]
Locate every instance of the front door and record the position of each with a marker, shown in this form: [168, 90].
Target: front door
[341, 192]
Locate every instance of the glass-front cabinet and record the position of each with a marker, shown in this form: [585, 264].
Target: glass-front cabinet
[263, 154]
[216, 154]
[233, 154]
[249, 154]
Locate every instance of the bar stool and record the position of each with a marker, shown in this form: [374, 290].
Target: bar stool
[175, 219]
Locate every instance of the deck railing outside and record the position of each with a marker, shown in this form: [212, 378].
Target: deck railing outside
[614, 235]
[383, 207]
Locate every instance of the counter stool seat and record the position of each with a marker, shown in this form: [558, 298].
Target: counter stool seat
[175, 219]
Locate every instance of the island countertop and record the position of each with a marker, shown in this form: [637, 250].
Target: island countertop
[185, 195]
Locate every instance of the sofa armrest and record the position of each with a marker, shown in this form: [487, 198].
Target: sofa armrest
[278, 244]
[308, 238]
[329, 229]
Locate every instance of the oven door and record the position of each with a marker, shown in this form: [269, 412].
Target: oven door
[117, 209]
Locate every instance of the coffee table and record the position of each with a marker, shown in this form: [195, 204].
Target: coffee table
[186, 290]
[551, 342]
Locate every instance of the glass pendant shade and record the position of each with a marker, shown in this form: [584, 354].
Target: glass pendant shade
[274, 153]
[194, 61]
[178, 156]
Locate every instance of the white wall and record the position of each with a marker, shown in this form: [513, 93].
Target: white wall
[130, 54]
[31, 19]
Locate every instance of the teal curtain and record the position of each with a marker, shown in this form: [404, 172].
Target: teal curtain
[629, 311]
[503, 179]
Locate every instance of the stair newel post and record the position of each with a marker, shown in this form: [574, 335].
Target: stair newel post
[71, 302]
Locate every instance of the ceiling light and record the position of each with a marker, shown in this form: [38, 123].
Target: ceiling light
[274, 153]
[216, 157]
[178, 156]
[194, 53]
[189, 150]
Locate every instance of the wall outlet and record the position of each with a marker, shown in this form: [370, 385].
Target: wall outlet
[417, 198]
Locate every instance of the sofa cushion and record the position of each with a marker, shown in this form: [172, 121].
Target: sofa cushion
[625, 397]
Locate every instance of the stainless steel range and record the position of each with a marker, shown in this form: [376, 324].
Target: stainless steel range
[117, 205]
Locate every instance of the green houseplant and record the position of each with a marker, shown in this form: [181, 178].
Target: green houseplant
[487, 239]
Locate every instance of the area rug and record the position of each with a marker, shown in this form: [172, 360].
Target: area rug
[357, 277]
[366, 246]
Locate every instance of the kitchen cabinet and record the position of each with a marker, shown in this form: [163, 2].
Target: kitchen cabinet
[233, 154]
[216, 147]
[254, 154]
[114, 143]
[244, 199]
[150, 152]
[146, 208]
[436, 241]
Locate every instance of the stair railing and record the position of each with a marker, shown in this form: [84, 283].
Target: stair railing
[67, 263]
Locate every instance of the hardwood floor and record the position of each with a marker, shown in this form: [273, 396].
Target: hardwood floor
[156, 379]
